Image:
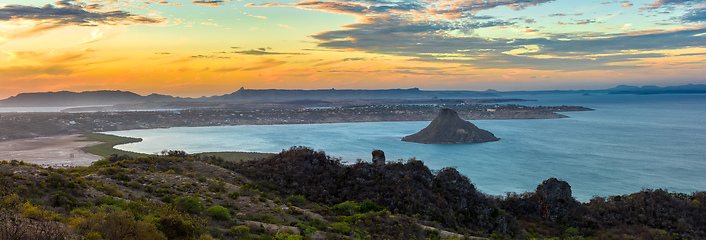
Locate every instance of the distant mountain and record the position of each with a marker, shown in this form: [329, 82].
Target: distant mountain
[690, 88]
[621, 89]
[106, 97]
[332, 94]
[88, 98]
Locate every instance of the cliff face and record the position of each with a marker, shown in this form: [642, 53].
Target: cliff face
[448, 127]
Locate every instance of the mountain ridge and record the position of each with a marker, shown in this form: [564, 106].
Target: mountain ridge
[112, 97]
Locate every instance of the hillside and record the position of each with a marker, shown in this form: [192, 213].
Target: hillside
[305, 194]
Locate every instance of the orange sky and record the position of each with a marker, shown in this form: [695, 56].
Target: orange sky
[213, 47]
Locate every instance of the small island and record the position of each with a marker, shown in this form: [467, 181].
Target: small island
[447, 128]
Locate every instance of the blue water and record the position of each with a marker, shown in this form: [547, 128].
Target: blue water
[628, 143]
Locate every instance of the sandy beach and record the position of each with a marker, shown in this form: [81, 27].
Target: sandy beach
[59, 151]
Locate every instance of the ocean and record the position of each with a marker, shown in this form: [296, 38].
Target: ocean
[628, 143]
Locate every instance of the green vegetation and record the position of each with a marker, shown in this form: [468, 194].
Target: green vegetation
[218, 212]
[237, 156]
[304, 194]
[106, 149]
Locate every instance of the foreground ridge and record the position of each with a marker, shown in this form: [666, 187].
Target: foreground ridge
[304, 194]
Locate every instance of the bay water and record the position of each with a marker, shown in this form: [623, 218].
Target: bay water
[628, 143]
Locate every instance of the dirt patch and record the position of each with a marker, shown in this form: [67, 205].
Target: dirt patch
[60, 151]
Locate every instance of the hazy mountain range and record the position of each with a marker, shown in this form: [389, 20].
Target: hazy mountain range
[108, 97]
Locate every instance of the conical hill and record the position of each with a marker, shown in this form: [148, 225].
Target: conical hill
[448, 127]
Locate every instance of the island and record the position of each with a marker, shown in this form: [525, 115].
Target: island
[448, 128]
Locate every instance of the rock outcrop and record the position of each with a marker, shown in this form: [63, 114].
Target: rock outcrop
[448, 127]
[378, 157]
[555, 198]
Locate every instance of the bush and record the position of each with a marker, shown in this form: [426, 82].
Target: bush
[218, 212]
[101, 162]
[176, 226]
[350, 208]
[239, 231]
[341, 227]
[296, 200]
[189, 204]
[234, 195]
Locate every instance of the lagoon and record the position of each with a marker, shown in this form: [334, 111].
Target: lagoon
[628, 143]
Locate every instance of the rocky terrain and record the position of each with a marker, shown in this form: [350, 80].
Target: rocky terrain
[305, 194]
[449, 128]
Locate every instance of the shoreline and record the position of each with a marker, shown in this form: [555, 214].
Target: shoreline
[55, 151]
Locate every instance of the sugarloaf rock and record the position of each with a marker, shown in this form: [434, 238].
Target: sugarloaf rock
[448, 127]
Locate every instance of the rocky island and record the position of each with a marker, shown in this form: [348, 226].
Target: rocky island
[448, 127]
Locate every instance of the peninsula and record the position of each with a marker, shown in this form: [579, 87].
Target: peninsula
[133, 111]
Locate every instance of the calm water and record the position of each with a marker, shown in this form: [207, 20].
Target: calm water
[630, 142]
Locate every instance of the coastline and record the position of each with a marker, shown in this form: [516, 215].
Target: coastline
[55, 151]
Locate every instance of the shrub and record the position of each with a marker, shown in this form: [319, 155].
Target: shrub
[101, 162]
[176, 226]
[340, 227]
[189, 204]
[239, 231]
[296, 200]
[218, 212]
[234, 195]
[217, 187]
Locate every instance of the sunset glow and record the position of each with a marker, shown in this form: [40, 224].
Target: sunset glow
[211, 47]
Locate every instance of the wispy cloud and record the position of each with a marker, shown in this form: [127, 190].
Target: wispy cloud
[212, 3]
[264, 51]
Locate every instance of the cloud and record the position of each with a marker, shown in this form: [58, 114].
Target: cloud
[660, 3]
[285, 26]
[263, 51]
[698, 15]
[166, 3]
[446, 31]
[209, 57]
[212, 3]
[71, 14]
[96, 36]
[23, 64]
[64, 13]
[696, 12]
[264, 64]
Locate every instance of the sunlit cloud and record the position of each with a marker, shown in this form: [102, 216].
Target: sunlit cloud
[96, 36]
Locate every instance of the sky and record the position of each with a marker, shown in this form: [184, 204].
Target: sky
[193, 48]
